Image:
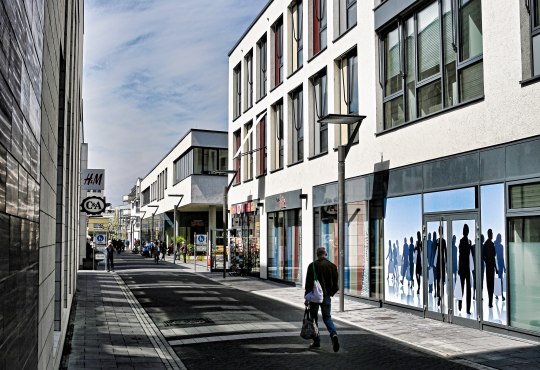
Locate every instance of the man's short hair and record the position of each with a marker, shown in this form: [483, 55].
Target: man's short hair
[321, 251]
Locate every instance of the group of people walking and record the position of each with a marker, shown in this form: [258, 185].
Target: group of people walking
[408, 265]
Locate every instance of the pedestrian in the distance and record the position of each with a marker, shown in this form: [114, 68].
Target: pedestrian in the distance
[156, 251]
[184, 251]
[176, 253]
[327, 275]
[163, 248]
[109, 251]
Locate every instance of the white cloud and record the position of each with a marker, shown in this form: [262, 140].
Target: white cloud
[152, 71]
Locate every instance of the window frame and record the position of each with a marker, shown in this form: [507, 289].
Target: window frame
[248, 60]
[278, 153]
[262, 67]
[278, 52]
[400, 24]
[297, 110]
[237, 161]
[320, 107]
[320, 25]
[297, 34]
[534, 32]
[346, 93]
[237, 93]
[261, 147]
[349, 4]
[248, 151]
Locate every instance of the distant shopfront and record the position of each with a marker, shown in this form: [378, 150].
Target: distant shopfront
[245, 237]
[284, 236]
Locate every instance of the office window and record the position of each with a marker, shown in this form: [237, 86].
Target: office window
[348, 91]
[277, 139]
[432, 60]
[248, 61]
[237, 91]
[319, 25]
[320, 107]
[278, 52]
[261, 67]
[248, 151]
[261, 146]
[344, 16]
[297, 35]
[297, 125]
[237, 155]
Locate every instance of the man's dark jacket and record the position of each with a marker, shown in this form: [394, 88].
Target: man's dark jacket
[326, 274]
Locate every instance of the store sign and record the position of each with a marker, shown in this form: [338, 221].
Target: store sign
[279, 202]
[92, 179]
[93, 205]
[245, 207]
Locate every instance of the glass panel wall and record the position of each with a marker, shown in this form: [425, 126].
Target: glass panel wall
[403, 250]
[450, 200]
[524, 269]
[285, 245]
[493, 239]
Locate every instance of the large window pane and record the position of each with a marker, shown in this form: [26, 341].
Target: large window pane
[525, 196]
[428, 42]
[450, 200]
[352, 83]
[536, 16]
[536, 55]
[429, 99]
[393, 78]
[394, 113]
[450, 82]
[198, 161]
[471, 28]
[524, 269]
[471, 81]
[410, 70]
[351, 13]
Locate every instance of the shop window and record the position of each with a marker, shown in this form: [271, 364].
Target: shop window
[319, 23]
[493, 244]
[277, 138]
[285, 245]
[347, 89]
[237, 155]
[248, 62]
[297, 126]
[523, 270]
[356, 269]
[296, 36]
[319, 140]
[261, 146]
[237, 91]
[432, 60]
[403, 250]
[248, 151]
[277, 30]
[262, 55]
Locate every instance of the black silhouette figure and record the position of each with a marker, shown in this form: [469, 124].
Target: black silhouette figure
[418, 250]
[440, 265]
[491, 267]
[464, 269]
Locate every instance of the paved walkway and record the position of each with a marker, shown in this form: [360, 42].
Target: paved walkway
[112, 330]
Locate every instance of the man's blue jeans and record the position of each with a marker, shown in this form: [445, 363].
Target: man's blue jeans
[326, 309]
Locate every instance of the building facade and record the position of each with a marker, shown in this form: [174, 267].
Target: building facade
[40, 143]
[185, 178]
[442, 178]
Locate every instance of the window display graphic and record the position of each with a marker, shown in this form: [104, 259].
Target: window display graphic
[493, 241]
[403, 250]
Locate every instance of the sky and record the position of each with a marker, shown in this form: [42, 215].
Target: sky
[154, 69]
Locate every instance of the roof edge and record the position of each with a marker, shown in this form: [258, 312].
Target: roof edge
[250, 27]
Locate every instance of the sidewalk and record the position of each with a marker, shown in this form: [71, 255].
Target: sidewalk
[112, 330]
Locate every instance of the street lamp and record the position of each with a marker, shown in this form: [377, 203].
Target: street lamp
[152, 227]
[181, 196]
[343, 150]
[225, 208]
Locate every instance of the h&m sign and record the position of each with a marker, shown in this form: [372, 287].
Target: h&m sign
[92, 179]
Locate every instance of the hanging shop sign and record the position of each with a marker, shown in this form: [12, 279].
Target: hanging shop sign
[245, 207]
[93, 205]
[92, 179]
[288, 200]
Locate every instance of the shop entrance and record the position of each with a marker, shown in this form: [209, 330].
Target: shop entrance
[451, 285]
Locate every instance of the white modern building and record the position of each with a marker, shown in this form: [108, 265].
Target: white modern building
[451, 138]
[185, 178]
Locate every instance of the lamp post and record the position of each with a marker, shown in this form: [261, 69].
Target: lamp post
[343, 150]
[181, 196]
[225, 217]
[152, 225]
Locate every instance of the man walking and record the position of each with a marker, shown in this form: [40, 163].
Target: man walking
[327, 276]
[109, 256]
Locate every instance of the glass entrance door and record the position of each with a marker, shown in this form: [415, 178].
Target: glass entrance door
[453, 256]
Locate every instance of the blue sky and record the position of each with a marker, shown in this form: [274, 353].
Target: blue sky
[153, 69]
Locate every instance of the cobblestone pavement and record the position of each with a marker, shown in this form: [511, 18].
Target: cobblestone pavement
[113, 329]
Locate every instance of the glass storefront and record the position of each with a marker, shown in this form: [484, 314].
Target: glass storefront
[285, 245]
[245, 242]
[356, 277]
